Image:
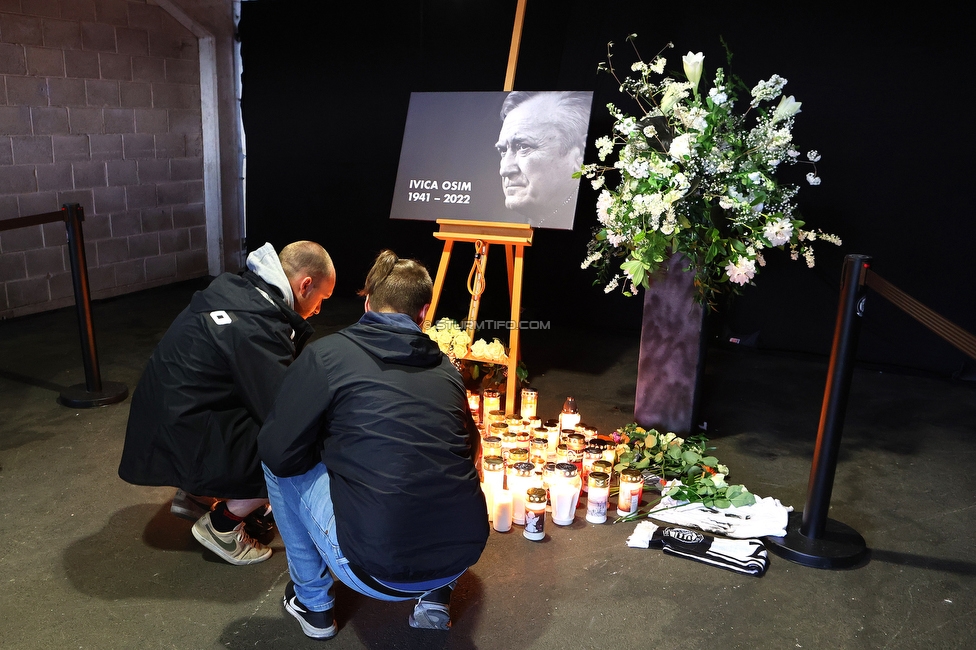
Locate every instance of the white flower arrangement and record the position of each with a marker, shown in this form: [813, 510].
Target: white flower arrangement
[456, 343]
[696, 179]
[481, 362]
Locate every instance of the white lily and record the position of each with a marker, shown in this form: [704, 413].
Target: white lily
[693, 68]
[788, 107]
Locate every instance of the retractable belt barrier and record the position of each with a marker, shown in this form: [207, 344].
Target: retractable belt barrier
[94, 392]
[948, 330]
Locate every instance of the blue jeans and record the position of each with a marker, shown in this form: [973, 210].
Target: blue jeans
[303, 513]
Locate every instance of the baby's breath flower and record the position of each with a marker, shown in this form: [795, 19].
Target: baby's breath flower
[767, 90]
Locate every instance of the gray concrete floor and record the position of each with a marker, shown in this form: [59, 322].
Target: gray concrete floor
[89, 561]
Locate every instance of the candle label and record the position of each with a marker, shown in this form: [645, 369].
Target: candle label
[535, 524]
[596, 507]
[629, 498]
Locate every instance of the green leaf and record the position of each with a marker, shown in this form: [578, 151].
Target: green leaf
[711, 461]
[743, 499]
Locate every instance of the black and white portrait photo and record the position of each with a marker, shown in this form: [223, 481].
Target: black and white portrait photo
[493, 156]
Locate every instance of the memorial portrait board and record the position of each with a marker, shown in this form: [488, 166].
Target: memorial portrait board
[493, 156]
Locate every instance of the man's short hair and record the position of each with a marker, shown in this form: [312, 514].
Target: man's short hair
[397, 285]
[306, 258]
[570, 114]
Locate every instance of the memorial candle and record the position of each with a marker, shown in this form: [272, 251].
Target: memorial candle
[502, 511]
[530, 403]
[535, 514]
[520, 479]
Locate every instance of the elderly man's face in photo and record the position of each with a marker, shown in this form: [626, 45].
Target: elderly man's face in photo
[537, 176]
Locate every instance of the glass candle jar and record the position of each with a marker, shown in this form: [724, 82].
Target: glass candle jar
[491, 446]
[597, 497]
[529, 403]
[501, 519]
[564, 436]
[514, 423]
[474, 404]
[490, 418]
[570, 415]
[631, 489]
[562, 454]
[538, 451]
[493, 468]
[517, 455]
[576, 443]
[497, 429]
[603, 465]
[589, 432]
[548, 476]
[491, 400]
[509, 442]
[564, 492]
[535, 514]
[552, 434]
[590, 456]
[520, 479]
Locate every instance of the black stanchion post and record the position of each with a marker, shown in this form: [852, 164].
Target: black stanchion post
[93, 392]
[813, 539]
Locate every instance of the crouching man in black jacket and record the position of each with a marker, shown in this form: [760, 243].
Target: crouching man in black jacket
[369, 455]
[210, 383]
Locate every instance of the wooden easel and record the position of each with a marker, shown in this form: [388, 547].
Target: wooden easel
[514, 236]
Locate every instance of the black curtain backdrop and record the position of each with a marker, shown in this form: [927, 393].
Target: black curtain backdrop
[886, 100]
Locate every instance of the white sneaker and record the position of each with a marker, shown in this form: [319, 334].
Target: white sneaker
[430, 616]
[236, 547]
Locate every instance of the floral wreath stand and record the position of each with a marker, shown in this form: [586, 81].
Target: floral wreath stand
[515, 237]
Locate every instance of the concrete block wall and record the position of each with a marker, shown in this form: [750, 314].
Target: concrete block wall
[99, 105]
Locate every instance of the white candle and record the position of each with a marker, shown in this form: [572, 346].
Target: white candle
[519, 480]
[494, 472]
[563, 497]
[486, 490]
[502, 510]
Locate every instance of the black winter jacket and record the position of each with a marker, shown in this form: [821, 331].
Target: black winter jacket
[386, 412]
[209, 384]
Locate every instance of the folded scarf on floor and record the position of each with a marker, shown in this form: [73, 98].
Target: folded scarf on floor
[766, 517]
[746, 556]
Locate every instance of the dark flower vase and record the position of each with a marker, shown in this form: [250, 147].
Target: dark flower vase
[672, 352]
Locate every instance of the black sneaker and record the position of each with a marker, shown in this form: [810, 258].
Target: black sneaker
[260, 525]
[315, 625]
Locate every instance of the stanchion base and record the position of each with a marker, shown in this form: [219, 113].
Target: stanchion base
[79, 397]
[839, 547]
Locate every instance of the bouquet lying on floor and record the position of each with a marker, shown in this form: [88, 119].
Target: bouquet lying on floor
[682, 469]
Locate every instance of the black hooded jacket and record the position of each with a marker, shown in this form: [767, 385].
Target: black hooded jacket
[208, 386]
[386, 412]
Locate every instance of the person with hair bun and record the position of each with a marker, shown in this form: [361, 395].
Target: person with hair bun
[370, 457]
